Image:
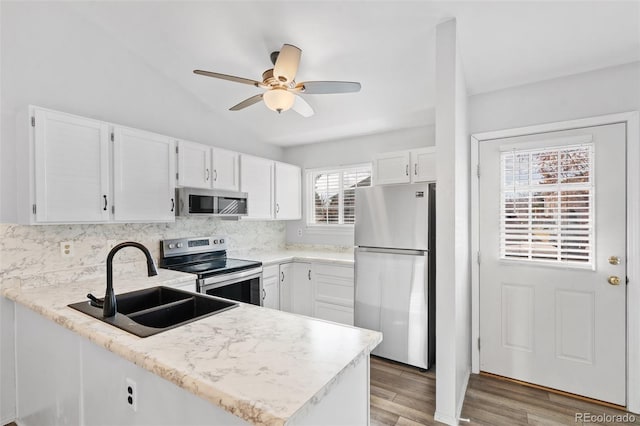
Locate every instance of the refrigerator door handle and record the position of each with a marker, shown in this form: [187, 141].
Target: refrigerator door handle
[407, 252]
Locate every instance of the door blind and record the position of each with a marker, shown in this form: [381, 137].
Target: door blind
[547, 205]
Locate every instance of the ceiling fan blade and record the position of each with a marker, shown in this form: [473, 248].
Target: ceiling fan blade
[228, 77]
[246, 103]
[326, 87]
[286, 65]
[302, 107]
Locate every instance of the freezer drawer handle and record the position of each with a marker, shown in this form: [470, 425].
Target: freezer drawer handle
[392, 251]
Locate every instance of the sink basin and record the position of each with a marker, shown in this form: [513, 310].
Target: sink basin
[157, 309]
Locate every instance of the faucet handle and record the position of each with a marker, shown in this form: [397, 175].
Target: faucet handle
[94, 301]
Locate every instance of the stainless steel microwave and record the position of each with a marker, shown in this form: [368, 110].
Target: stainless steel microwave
[207, 202]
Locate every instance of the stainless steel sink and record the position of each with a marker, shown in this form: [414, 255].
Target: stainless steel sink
[153, 310]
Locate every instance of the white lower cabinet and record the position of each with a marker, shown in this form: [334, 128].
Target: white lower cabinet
[271, 287]
[319, 290]
[333, 293]
[296, 288]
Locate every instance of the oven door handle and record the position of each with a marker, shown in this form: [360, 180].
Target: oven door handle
[225, 279]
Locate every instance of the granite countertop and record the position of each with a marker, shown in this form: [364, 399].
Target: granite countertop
[264, 366]
[272, 257]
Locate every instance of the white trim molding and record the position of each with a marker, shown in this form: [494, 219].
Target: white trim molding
[632, 122]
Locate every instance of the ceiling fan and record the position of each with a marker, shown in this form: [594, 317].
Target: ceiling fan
[282, 91]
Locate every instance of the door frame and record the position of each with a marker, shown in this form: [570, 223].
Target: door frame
[632, 121]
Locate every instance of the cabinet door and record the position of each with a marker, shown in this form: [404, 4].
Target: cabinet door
[423, 165]
[287, 187]
[256, 179]
[335, 313]
[226, 173]
[194, 165]
[286, 281]
[392, 167]
[144, 176]
[71, 168]
[271, 287]
[302, 289]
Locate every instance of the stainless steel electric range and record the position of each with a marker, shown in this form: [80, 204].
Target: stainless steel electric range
[218, 275]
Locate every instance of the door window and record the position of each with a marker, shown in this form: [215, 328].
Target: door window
[547, 205]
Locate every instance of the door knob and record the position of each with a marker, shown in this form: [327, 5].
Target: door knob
[613, 280]
[614, 260]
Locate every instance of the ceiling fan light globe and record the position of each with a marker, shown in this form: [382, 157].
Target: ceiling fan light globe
[278, 100]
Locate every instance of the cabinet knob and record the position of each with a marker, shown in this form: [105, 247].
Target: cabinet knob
[406, 170]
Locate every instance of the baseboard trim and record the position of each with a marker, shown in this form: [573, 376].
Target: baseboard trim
[556, 391]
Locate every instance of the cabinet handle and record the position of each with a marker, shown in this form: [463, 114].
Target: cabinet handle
[264, 294]
[415, 169]
[173, 205]
[105, 203]
[282, 278]
[406, 170]
[215, 175]
[208, 174]
[309, 275]
[277, 208]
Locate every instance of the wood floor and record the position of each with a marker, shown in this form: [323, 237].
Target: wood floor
[403, 396]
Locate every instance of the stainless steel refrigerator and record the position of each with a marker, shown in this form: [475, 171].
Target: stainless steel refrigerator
[395, 269]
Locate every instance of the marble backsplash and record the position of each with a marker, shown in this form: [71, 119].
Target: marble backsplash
[32, 253]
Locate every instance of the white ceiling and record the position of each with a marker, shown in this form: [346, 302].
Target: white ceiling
[387, 46]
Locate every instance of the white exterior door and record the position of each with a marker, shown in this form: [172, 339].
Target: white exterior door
[144, 176]
[226, 173]
[71, 168]
[194, 165]
[552, 243]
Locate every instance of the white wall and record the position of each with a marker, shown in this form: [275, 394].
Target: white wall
[54, 58]
[605, 91]
[344, 152]
[453, 284]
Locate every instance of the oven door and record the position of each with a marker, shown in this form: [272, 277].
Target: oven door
[243, 286]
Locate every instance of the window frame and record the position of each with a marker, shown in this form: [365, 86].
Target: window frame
[309, 201]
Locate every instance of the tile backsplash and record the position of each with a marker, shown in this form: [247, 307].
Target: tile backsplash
[33, 252]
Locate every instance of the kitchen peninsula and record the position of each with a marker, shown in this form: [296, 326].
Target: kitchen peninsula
[247, 365]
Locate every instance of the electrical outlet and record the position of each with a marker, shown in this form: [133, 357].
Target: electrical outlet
[66, 248]
[299, 232]
[132, 394]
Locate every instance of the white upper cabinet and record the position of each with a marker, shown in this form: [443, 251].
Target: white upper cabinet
[225, 170]
[418, 165]
[288, 186]
[392, 167]
[144, 176]
[256, 179]
[423, 165]
[194, 165]
[71, 169]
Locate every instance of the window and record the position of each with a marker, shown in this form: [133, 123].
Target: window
[547, 205]
[331, 194]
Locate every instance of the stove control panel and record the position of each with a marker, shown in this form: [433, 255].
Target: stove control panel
[181, 246]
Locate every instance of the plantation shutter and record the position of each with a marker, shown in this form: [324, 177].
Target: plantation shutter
[547, 205]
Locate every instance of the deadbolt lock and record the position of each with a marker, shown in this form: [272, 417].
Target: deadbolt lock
[613, 280]
[614, 260]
